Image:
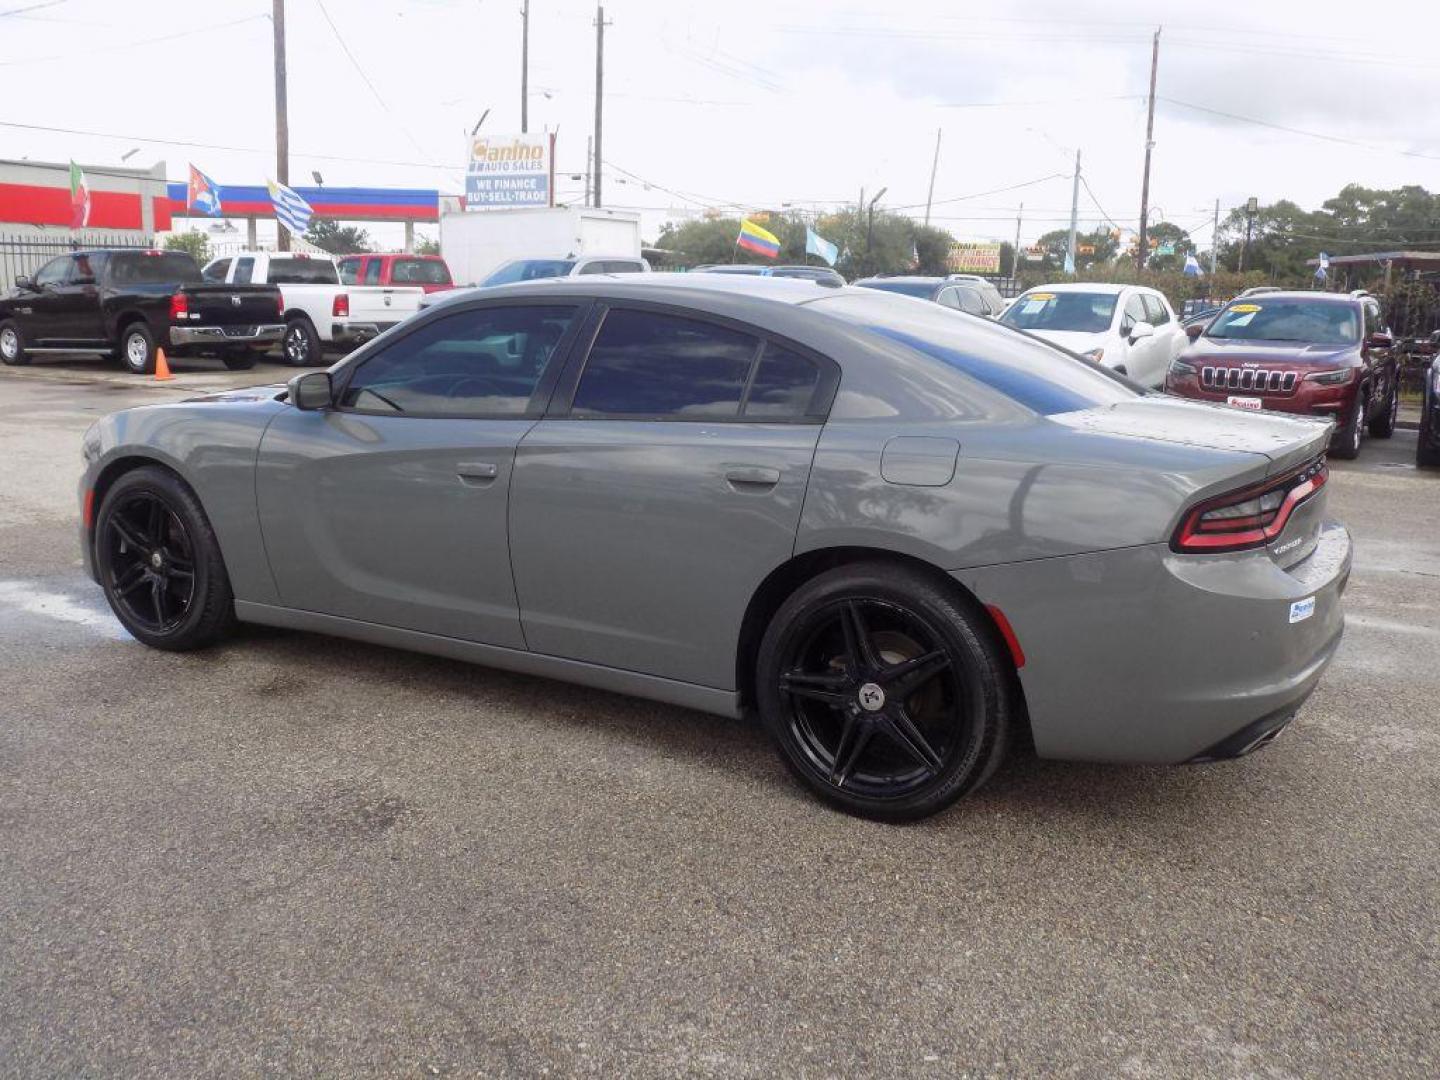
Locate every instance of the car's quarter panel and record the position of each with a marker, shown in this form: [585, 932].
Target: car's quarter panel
[1142, 655]
[212, 443]
[638, 544]
[396, 520]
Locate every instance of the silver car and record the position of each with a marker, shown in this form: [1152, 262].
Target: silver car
[907, 540]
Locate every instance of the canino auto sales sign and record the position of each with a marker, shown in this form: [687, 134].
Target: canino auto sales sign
[510, 170]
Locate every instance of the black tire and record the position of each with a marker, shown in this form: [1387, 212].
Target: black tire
[301, 345]
[1427, 453]
[1383, 426]
[1345, 443]
[12, 345]
[816, 686]
[160, 564]
[239, 359]
[137, 349]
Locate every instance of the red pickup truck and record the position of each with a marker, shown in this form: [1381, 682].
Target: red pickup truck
[428, 272]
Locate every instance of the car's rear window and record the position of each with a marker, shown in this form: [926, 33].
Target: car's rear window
[529, 270]
[922, 289]
[419, 272]
[153, 268]
[303, 272]
[1033, 373]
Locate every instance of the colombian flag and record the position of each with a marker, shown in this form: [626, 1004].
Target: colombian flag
[753, 238]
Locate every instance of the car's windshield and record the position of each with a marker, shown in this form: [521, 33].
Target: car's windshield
[922, 289]
[1033, 373]
[529, 270]
[303, 272]
[1322, 322]
[1081, 312]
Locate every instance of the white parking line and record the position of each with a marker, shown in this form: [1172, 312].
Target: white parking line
[23, 597]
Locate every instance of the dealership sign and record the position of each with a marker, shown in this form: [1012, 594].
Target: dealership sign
[510, 170]
[974, 258]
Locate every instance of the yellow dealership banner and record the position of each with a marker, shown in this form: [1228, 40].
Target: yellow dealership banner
[974, 258]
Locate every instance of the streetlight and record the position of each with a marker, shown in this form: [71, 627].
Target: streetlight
[870, 228]
[129, 154]
[319, 180]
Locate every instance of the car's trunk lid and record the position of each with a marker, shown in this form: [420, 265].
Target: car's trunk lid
[233, 305]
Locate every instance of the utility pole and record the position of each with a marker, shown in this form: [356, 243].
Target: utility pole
[1074, 217]
[1251, 206]
[600, 25]
[1015, 253]
[1141, 249]
[525, 67]
[1215, 241]
[934, 167]
[282, 121]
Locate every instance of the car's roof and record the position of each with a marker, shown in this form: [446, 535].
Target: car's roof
[1301, 294]
[663, 284]
[918, 279]
[1085, 287]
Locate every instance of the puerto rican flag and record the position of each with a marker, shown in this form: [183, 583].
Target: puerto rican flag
[204, 194]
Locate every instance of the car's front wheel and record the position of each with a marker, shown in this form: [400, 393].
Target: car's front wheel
[137, 349]
[160, 564]
[1345, 443]
[1383, 426]
[12, 345]
[884, 691]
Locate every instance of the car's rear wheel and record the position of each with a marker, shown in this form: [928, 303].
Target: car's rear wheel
[137, 349]
[12, 345]
[160, 564]
[884, 691]
[1345, 443]
[239, 359]
[1427, 452]
[1383, 426]
[301, 344]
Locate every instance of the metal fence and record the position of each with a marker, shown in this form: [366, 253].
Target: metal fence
[25, 253]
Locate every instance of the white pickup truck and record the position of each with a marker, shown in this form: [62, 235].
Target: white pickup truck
[319, 310]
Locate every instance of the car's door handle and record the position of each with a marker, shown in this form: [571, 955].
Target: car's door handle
[477, 472]
[752, 476]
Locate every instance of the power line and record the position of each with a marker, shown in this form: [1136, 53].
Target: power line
[1298, 131]
[366, 79]
[982, 194]
[127, 46]
[31, 7]
[1086, 184]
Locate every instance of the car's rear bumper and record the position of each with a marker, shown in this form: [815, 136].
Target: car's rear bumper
[349, 334]
[222, 336]
[1143, 655]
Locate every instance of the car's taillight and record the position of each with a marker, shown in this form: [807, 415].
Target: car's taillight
[340, 309]
[179, 306]
[280, 307]
[1250, 517]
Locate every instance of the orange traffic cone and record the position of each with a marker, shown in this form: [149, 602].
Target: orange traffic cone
[162, 367]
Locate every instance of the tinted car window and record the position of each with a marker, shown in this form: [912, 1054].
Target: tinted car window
[349, 270]
[303, 272]
[244, 271]
[948, 298]
[484, 362]
[153, 268]
[1088, 313]
[784, 385]
[53, 272]
[87, 268]
[419, 272]
[595, 268]
[372, 272]
[647, 364]
[970, 301]
[922, 289]
[530, 270]
[216, 271]
[622, 266]
[1035, 374]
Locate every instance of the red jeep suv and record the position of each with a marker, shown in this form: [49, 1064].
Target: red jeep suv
[1325, 355]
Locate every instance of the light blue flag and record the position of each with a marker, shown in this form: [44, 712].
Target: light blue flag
[1192, 266]
[815, 244]
[290, 209]
[1322, 271]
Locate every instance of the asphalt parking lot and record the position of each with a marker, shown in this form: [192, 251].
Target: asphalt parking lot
[298, 855]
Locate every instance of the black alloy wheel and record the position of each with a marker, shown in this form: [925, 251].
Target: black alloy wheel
[884, 695]
[159, 562]
[1383, 426]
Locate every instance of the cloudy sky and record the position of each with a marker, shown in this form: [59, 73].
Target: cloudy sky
[758, 103]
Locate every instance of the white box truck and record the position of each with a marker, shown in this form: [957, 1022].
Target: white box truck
[477, 242]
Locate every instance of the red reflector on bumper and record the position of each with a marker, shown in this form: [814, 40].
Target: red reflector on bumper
[1008, 633]
[87, 510]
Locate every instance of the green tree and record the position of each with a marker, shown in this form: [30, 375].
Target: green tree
[197, 244]
[427, 246]
[1092, 249]
[1168, 234]
[329, 235]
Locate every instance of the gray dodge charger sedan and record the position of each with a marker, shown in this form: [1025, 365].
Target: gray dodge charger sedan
[906, 537]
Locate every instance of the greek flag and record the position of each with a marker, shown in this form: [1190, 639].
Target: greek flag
[290, 209]
[815, 244]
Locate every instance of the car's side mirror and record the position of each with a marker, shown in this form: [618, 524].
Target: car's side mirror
[312, 390]
[1381, 340]
[26, 282]
[1194, 330]
[1141, 330]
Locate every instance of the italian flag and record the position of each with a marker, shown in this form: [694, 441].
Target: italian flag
[79, 198]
